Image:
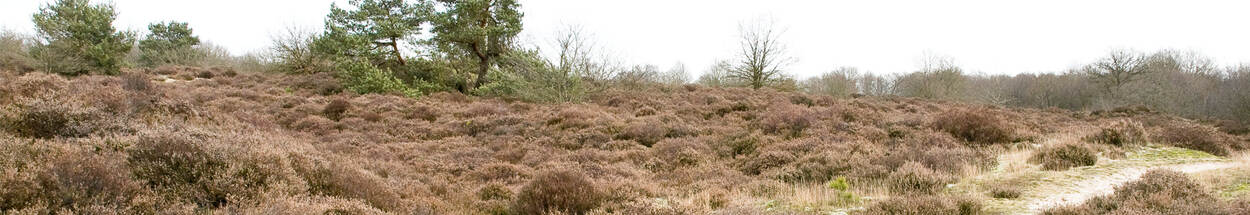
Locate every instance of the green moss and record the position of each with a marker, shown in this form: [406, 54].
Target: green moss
[1170, 154]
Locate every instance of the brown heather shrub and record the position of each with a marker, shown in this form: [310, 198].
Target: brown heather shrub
[925, 205]
[81, 180]
[646, 132]
[1063, 157]
[336, 109]
[1157, 192]
[341, 179]
[915, 178]
[1121, 133]
[184, 167]
[766, 160]
[314, 124]
[558, 192]
[1195, 137]
[44, 118]
[680, 152]
[136, 82]
[975, 126]
[500, 171]
[424, 113]
[494, 191]
[738, 144]
[789, 120]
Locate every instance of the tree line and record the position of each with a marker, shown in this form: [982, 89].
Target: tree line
[1185, 83]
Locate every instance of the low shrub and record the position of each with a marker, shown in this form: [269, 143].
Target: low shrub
[336, 109]
[1063, 157]
[183, 167]
[494, 191]
[976, 126]
[924, 205]
[348, 181]
[365, 78]
[915, 178]
[789, 120]
[646, 133]
[558, 192]
[1195, 137]
[45, 119]
[680, 152]
[1122, 133]
[1157, 192]
[84, 181]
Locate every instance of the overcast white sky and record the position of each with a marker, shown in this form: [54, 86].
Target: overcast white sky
[882, 36]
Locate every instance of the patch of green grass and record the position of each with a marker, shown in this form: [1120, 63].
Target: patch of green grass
[1170, 154]
[1238, 190]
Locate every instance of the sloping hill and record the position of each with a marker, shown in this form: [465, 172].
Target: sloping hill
[186, 140]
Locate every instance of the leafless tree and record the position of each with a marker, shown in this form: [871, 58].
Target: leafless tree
[762, 56]
[578, 55]
[676, 75]
[1117, 69]
[878, 85]
[717, 75]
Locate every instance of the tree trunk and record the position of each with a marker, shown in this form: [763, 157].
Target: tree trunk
[398, 55]
[483, 66]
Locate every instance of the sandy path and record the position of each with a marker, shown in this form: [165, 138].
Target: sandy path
[1079, 191]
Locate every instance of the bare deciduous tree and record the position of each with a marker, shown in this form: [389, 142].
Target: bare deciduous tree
[762, 56]
[579, 55]
[717, 75]
[1117, 69]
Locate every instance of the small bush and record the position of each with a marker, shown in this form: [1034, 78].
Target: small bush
[365, 78]
[1195, 137]
[558, 192]
[977, 126]
[765, 161]
[839, 184]
[348, 181]
[645, 133]
[335, 109]
[136, 82]
[915, 178]
[46, 119]
[789, 120]
[182, 167]
[1157, 192]
[494, 191]
[924, 205]
[1064, 157]
[85, 180]
[1122, 133]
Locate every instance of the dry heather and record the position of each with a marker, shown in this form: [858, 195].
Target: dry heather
[180, 140]
[1157, 192]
